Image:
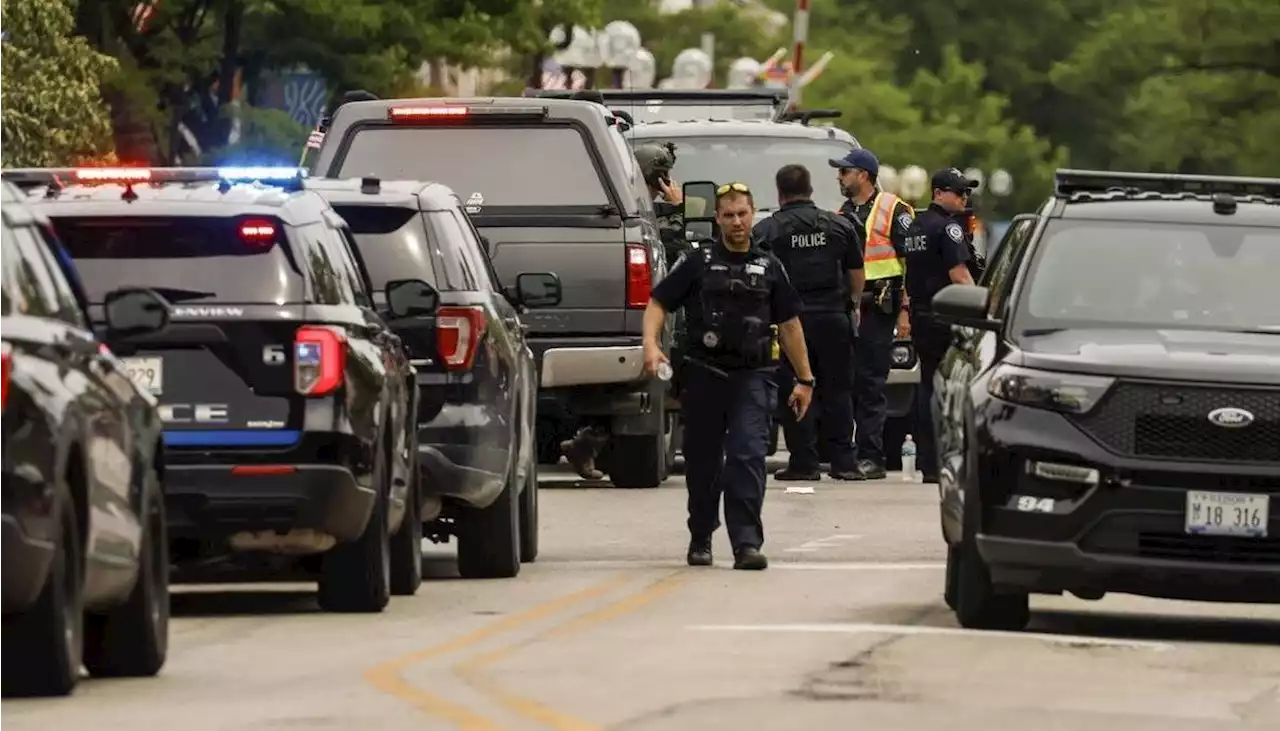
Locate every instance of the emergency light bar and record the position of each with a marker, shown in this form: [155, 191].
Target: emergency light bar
[62, 177]
[429, 112]
[1069, 182]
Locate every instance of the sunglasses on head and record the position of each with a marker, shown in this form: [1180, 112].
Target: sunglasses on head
[735, 187]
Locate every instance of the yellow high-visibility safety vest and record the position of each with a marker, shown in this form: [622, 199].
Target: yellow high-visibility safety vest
[879, 258]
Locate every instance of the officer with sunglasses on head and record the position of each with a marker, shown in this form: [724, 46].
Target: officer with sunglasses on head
[939, 253]
[732, 293]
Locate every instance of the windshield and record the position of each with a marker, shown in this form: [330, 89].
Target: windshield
[1107, 274]
[755, 160]
[186, 258]
[487, 166]
[666, 110]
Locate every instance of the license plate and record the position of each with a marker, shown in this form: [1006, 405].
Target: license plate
[1227, 514]
[148, 373]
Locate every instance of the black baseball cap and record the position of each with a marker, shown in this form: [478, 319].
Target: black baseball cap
[951, 179]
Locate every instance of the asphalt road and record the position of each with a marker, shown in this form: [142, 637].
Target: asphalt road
[610, 630]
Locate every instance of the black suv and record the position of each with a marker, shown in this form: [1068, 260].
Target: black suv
[287, 401]
[1109, 412]
[554, 187]
[476, 377]
[86, 569]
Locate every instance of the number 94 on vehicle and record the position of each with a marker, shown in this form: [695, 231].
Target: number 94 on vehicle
[1227, 514]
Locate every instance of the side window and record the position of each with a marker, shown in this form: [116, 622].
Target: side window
[486, 277]
[324, 260]
[1000, 271]
[41, 292]
[349, 269]
[70, 307]
[17, 288]
[451, 242]
[625, 152]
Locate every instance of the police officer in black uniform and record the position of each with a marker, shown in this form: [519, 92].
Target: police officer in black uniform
[823, 257]
[939, 253]
[732, 293]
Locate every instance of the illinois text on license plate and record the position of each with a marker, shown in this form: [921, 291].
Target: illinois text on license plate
[1227, 514]
[148, 373]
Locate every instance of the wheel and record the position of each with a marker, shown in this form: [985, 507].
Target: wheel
[638, 461]
[356, 576]
[132, 640]
[489, 538]
[953, 569]
[529, 516]
[406, 545]
[977, 603]
[43, 645]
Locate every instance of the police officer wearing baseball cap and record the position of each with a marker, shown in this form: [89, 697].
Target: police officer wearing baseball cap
[881, 219]
[938, 254]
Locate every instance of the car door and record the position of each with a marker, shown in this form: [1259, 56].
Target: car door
[102, 394]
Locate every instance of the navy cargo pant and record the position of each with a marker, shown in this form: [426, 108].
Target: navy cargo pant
[726, 436]
[829, 340]
[873, 357]
[932, 339]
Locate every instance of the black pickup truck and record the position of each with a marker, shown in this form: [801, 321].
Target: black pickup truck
[554, 187]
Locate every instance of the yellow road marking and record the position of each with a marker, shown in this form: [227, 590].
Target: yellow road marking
[471, 670]
[386, 676]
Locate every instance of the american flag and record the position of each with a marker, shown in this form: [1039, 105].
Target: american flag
[142, 13]
[315, 139]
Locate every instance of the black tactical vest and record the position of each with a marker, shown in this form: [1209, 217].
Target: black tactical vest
[812, 256]
[736, 312]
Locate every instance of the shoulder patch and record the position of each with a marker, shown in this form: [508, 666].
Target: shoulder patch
[904, 220]
[955, 232]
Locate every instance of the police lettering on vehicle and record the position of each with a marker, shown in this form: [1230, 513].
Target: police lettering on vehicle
[809, 241]
[193, 413]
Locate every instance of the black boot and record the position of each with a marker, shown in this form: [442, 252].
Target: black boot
[700, 552]
[749, 558]
[799, 475]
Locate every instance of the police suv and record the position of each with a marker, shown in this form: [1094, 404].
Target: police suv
[287, 402]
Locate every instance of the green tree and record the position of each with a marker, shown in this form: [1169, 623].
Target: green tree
[51, 107]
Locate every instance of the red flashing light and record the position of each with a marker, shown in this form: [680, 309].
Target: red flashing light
[259, 470]
[113, 175]
[639, 276]
[257, 231]
[459, 331]
[319, 360]
[414, 114]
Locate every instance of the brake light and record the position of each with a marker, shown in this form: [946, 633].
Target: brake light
[257, 231]
[110, 175]
[459, 331]
[413, 114]
[6, 366]
[319, 360]
[639, 277]
[262, 470]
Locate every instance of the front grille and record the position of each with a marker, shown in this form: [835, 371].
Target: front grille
[1172, 421]
[1209, 549]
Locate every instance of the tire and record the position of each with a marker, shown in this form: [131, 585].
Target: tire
[132, 640]
[638, 462]
[953, 569]
[406, 546]
[978, 604]
[529, 516]
[356, 576]
[44, 644]
[489, 538]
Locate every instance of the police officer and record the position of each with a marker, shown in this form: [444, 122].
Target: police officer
[732, 293]
[823, 258]
[939, 253]
[882, 220]
[656, 161]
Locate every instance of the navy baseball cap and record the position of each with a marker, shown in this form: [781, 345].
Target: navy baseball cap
[861, 159]
[951, 179]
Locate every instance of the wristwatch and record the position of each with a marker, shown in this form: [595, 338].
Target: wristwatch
[810, 382]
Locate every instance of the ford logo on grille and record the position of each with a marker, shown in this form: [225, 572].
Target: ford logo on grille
[1230, 417]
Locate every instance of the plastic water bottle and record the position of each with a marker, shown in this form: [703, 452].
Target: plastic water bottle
[665, 372]
[908, 459]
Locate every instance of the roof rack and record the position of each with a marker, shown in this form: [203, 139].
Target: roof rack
[701, 96]
[56, 179]
[807, 116]
[1070, 182]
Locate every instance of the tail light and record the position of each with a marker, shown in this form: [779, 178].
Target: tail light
[6, 366]
[459, 331]
[639, 277]
[319, 360]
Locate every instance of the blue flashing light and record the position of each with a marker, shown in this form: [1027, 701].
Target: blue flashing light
[260, 173]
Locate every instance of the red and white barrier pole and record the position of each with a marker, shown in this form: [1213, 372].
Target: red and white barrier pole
[801, 27]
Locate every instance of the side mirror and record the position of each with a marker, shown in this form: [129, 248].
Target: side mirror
[486, 245]
[965, 305]
[409, 297]
[135, 311]
[699, 201]
[538, 289]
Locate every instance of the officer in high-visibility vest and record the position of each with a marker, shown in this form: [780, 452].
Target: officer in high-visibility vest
[882, 220]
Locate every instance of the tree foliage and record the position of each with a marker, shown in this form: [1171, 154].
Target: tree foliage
[51, 107]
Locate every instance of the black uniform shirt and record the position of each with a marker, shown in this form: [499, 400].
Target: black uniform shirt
[935, 245]
[843, 244]
[682, 287]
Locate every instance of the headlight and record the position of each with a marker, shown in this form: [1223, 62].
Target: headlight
[1068, 392]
